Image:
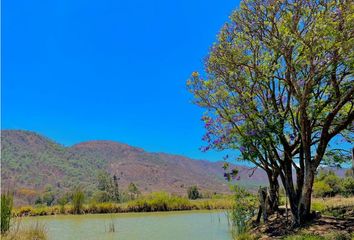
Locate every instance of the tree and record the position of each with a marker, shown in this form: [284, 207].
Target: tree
[108, 188]
[29, 194]
[115, 189]
[193, 192]
[283, 69]
[133, 191]
[48, 195]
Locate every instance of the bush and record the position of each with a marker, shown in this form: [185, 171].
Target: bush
[159, 201]
[245, 205]
[6, 211]
[193, 192]
[321, 189]
[327, 184]
[347, 186]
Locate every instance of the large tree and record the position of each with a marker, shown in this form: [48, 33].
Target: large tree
[283, 69]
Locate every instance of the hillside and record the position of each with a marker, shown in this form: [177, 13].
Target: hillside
[32, 161]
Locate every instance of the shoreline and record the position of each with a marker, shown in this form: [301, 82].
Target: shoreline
[139, 206]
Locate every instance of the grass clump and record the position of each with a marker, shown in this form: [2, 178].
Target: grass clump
[34, 232]
[78, 201]
[6, 211]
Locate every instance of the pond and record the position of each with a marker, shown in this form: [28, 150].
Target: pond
[194, 225]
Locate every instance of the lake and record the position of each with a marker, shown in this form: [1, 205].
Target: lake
[194, 225]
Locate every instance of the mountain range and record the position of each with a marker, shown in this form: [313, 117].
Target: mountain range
[32, 161]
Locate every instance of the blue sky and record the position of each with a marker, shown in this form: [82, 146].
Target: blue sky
[109, 69]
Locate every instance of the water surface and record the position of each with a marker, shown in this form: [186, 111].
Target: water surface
[183, 225]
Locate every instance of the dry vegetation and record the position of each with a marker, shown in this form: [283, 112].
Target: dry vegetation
[150, 203]
[34, 231]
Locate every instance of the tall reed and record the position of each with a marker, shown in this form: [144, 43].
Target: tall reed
[6, 211]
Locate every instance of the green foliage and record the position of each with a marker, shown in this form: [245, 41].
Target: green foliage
[48, 195]
[328, 184]
[78, 201]
[243, 210]
[193, 193]
[347, 186]
[6, 211]
[38, 200]
[279, 83]
[159, 201]
[133, 191]
[64, 199]
[108, 188]
[321, 189]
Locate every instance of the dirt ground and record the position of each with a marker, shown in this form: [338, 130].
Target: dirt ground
[277, 227]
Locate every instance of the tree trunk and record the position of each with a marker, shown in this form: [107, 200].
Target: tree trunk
[305, 200]
[273, 192]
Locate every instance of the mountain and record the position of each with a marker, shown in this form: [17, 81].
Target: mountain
[32, 161]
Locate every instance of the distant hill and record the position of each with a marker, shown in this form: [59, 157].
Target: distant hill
[32, 161]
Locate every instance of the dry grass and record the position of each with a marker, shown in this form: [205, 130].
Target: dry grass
[334, 202]
[149, 203]
[334, 206]
[34, 231]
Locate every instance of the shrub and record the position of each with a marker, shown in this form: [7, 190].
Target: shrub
[347, 186]
[321, 189]
[6, 211]
[193, 192]
[243, 210]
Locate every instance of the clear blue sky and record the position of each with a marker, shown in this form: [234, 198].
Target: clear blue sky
[78, 70]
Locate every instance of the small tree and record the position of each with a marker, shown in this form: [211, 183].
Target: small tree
[133, 191]
[115, 189]
[6, 209]
[108, 188]
[48, 195]
[193, 192]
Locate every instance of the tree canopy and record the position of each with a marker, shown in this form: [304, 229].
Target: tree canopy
[279, 88]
